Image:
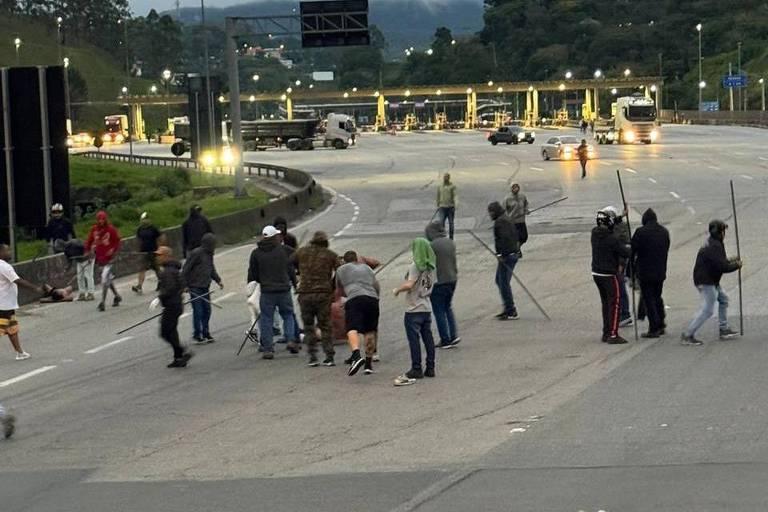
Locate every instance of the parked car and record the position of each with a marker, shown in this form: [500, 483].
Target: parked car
[564, 147]
[512, 135]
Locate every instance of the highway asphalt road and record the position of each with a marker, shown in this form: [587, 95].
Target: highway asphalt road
[532, 415]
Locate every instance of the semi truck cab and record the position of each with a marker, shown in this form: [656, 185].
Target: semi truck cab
[634, 120]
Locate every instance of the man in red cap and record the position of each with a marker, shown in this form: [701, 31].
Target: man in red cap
[103, 242]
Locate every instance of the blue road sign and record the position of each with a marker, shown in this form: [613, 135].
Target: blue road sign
[734, 81]
[709, 106]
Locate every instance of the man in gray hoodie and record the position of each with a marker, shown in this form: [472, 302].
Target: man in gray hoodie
[516, 205]
[442, 293]
[198, 272]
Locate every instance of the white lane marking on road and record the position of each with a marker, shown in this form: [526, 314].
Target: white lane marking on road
[504, 163]
[603, 162]
[674, 194]
[763, 158]
[537, 169]
[652, 180]
[354, 218]
[353, 203]
[25, 376]
[629, 169]
[107, 345]
[747, 177]
[690, 209]
[517, 430]
[714, 167]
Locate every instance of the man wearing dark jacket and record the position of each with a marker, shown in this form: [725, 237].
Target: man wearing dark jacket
[711, 264]
[607, 253]
[194, 228]
[270, 267]
[59, 228]
[650, 247]
[170, 287]
[199, 270]
[288, 239]
[506, 238]
[443, 290]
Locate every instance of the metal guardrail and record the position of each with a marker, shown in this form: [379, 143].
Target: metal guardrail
[743, 118]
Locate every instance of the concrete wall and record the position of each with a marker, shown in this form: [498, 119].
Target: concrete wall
[229, 229]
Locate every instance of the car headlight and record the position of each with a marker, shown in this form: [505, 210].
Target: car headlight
[208, 159]
[533, 135]
[107, 137]
[227, 156]
[119, 138]
[520, 135]
[69, 142]
[654, 135]
[629, 136]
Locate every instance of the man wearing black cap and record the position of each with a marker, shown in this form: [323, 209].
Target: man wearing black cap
[711, 264]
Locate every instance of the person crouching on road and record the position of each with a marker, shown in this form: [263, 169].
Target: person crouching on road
[445, 287]
[198, 272]
[271, 268]
[317, 265]
[169, 290]
[607, 252]
[505, 236]
[104, 242]
[711, 264]
[650, 248]
[357, 282]
[9, 301]
[418, 286]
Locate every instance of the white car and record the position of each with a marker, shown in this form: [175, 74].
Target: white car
[564, 147]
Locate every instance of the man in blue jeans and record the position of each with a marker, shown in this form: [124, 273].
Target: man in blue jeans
[442, 292]
[711, 264]
[507, 243]
[198, 272]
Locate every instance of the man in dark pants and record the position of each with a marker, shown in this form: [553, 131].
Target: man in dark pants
[443, 290]
[170, 287]
[58, 228]
[650, 247]
[147, 235]
[447, 200]
[607, 251]
[505, 236]
[317, 265]
[199, 270]
[516, 205]
[583, 152]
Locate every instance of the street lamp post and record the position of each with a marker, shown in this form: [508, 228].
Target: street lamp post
[17, 44]
[701, 79]
[208, 92]
[741, 104]
[66, 88]
[167, 75]
[59, 20]
[762, 86]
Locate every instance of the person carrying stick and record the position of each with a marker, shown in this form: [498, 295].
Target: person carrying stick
[170, 288]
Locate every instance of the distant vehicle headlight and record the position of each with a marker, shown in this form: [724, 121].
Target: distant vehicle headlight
[70, 143]
[227, 156]
[107, 137]
[119, 138]
[654, 135]
[533, 134]
[629, 136]
[208, 159]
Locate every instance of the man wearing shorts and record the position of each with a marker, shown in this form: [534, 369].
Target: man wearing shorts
[104, 241]
[9, 301]
[359, 285]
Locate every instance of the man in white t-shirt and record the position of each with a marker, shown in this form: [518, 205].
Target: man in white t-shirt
[9, 301]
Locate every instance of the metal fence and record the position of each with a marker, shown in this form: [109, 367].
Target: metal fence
[726, 117]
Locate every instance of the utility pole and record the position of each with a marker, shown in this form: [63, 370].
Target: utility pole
[730, 88]
[208, 96]
[701, 89]
[234, 106]
[741, 105]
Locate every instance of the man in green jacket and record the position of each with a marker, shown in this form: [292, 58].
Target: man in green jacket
[447, 198]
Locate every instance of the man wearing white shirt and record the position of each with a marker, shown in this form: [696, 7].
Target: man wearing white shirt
[9, 301]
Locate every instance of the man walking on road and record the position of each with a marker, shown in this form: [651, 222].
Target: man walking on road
[358, 284]
[442, 293]
[317, 265]
[193, 229]
[169, 290]
[9, 301]
[147, 235]
[198, 272]
[516, 205]
[104, 242]
[650, 247]
[711, 264]
[505, 236]
[607, 251]
[447, 200]
[583, 152]
[270, 267]
[418, 311]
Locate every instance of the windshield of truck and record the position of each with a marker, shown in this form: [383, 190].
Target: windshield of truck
[113, 125]
[350, 126]
[644, 113]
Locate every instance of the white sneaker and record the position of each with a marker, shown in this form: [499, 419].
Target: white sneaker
[20, 356]
[375, 357]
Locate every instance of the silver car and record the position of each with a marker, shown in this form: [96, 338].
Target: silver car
[564, 147]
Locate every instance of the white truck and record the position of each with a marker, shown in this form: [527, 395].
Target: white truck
[337, 131]
[634, 120]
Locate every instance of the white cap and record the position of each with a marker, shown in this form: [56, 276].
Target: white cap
[270, 231]
[143, 216]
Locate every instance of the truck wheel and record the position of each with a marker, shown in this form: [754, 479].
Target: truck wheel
[307, 145]
[530, 141]
[510, 142]
[339, 144]
[545, 155]
[293, 145]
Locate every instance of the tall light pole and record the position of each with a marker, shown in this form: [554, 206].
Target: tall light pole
[66, 88]
[167, 75]
[59, 20]
[701, 79]
[741, 105]
[208, 96]
[17, 44]
[762, 86]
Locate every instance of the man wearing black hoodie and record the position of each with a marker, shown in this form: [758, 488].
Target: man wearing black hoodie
[506, 238]
[442, 293]
[650, 247]
[607, 253]
[711, 264]
[271, 268]
[199, 270]
[194, 228]
[288, 239]
[169, 289]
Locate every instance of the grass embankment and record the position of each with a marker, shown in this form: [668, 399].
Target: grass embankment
[128, 190]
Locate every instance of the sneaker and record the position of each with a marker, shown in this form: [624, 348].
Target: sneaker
[355, 365]
[329, 361]
[510, 316]
[21, 356]
[501, 316]
[376, 358]
[728, 333]
[293, 347]
[268, 355]
[348, 360]
[626, 322]
[81, 297]
[616, 340]
[101, 307]
[604, 339]
[89, 296]
[116, 301]
[368, 367]
[313, 362]
[404, 380]
[455, 341]
[651, 334]
[199, 340]
[9, 425]
[209, 339]
[445, 345]
[136, 289]
[429, 372]
[689, 340]
[414, 374]
[182, 361]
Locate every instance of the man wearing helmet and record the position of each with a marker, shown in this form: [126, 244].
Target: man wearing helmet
[607, 253]
[711, 264]
[59, 228]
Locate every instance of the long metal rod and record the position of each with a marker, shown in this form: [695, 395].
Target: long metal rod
[738, 255]
[248, 334]
[158, 315]
[548, 205]
[392, 259]
[631, 269]
[519, 282]
[9, 162]
[46, 142]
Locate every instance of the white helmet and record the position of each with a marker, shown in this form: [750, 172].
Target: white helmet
[612, 211]
[57, 208]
